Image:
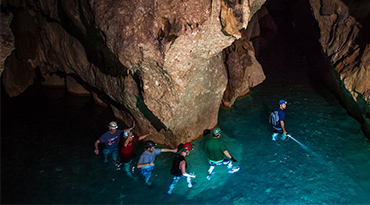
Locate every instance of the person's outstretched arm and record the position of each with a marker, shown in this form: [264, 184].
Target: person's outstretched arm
[169, 150]
[142, 137]
[133, 126]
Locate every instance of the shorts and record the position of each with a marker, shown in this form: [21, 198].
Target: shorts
[278, 130]
[221, 162]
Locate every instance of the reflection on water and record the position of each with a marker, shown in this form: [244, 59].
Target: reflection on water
[47, 144]
[47, 154]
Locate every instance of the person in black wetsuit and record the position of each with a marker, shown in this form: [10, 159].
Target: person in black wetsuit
[178, 169]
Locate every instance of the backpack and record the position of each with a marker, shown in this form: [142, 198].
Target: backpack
[274, 117]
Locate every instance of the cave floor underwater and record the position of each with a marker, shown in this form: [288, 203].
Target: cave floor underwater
[47, 154]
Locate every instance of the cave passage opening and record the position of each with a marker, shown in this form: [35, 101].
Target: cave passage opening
[290, 51]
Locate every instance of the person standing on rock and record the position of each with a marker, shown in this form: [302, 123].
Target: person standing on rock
[178, 169]
[216, 151]
[146, 161]
[110, 139]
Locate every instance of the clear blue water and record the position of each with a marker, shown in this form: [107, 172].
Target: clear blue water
[47, 153]
[47, 149]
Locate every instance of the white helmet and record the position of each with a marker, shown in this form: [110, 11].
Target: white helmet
[113, 125]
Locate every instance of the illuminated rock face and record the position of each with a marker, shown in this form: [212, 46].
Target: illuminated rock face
[344, 37]
[158, 62]
[341, 41]
[169, 65]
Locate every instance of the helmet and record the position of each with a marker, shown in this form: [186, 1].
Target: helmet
[113, 125]
[149, 144]
[216, 131]
[188, 146]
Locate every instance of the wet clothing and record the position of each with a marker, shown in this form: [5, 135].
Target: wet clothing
[110, 140]
[215, 149]
[176, 179]
[177, 173]
[221, 162]
[146, 172]
[281, 114]
[127, 153]
[111, 144]
[114, 153]
[175, 169]
[146, 157]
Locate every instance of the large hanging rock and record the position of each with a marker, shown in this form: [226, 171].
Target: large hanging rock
[244, 71]
[157, 62]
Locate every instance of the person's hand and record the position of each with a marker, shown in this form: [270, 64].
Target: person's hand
[133, 123]
[232, 159]
[96, 151]
[152, 164]
[189, 175]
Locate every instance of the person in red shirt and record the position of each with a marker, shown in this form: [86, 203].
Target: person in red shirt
[127, 148]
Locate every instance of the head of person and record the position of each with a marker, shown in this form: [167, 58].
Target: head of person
[129, 134]
[113, 125]
[216, 132]
[149, 146]
[282, 104]
[187, 148]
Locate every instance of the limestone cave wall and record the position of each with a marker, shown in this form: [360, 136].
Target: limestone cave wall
[344, 38]
[157, 62]
[169, 65]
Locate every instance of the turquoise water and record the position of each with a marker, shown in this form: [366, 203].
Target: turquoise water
[47, 153]
[47, 149]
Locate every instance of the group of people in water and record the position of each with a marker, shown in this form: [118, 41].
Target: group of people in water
[121, 143]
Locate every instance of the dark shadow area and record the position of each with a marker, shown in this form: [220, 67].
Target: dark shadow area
[154, 121]
[294, 53]
[93, 41]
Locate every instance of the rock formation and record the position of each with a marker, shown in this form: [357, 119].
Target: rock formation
[7, 38]
[345, 30]
[158, 62]
[169, 65]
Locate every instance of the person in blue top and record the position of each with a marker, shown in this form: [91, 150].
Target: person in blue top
[280, 127]
[110, 139]
[146, 161]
